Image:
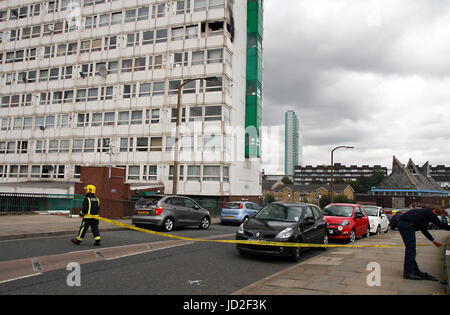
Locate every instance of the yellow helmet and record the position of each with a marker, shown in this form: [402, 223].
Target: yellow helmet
[91, 189]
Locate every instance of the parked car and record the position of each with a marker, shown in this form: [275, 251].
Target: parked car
[169, 212]
[346, 221]
[378, 219]
[396, 214]
[283, 222]
[238, 212]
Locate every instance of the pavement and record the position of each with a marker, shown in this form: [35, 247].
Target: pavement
[336, 271]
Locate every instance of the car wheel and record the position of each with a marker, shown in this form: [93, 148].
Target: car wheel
[205, 223]
[296, 254]
[352, 237]
[245, 219]
[324, 242]
[387, 229]
[378, 232]
[168, 224]
[367, 232]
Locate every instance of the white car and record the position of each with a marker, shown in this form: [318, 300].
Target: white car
[378, 219]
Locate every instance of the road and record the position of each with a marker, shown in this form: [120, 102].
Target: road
[130, 262]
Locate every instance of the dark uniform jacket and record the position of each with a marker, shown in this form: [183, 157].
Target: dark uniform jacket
[91, 205]
[419, 219]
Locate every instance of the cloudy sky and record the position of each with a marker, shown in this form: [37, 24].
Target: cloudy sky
[373, 74]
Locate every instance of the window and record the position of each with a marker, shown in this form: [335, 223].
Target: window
[126, 144]
[144, 89]
[103, 145]
[72, 48]
[161, 36]
[158, 88]
[187, 143]
[81, 95]
[147, 37]
[130, 15]
[106, 93]
[211, 173]
[127, 65]
[150, 172]
[213, 113]
[124, 118]
[142, 144]
[199, 5]
[143, 13]
[116, 18]
[156, 144]
[96, 119]
[139, 64]
[68, 96]
[92, 94]
[89, 145]
[129, 91]
[177, 33]
[35, 31]
[226, 174]
[193, 173]
[155, 116]
[136, 117]
[170, 143]
[83, 120]
[109, 119]
[215, 56]
[133, 172]
[191, 32]
[133, 39]
[198, 58]
[110, 42]
[212, 143]
[173, 87]
[195, 113]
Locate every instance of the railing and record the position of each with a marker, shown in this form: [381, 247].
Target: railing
[28, 202]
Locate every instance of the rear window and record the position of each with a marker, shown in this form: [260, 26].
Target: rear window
[233, 205]
[148, 201]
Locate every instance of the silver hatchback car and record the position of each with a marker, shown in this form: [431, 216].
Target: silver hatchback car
[169, 212]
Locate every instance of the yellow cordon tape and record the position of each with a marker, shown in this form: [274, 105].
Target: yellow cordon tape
[264, 243]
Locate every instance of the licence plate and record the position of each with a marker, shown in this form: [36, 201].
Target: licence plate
[229, 217]
[143, 212]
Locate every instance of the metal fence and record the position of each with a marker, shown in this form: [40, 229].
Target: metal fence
[27, 202]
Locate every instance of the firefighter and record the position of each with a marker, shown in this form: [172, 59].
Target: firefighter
[91, 207]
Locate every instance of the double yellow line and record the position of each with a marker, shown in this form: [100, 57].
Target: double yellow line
[265, 243]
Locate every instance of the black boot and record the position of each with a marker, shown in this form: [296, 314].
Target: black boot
[97, 243]
[75, 241]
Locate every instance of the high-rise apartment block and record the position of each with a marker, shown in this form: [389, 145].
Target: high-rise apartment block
[95, 82]
[292, 142]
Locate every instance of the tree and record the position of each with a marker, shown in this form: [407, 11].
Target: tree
[324, 201]
[269, 198]
[286, 180]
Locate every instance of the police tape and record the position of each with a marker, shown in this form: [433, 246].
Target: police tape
[248, 242]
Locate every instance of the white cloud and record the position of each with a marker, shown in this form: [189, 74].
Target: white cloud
[372, 74]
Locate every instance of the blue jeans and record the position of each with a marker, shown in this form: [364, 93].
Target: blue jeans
[408, 234]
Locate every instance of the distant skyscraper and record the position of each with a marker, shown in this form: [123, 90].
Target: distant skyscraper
[291, 142]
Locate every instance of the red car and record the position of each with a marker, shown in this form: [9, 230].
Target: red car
[346, 221]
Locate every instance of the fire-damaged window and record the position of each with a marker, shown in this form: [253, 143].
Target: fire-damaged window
[212, 28]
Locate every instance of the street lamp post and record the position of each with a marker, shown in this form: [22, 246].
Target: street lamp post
[177, 130]
[332, 167]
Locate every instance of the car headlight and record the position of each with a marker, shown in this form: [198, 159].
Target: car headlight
[345, 223]
[241, 229]
[285, 234]
[340, 228]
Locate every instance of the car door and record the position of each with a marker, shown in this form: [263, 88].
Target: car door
[178, 210]
[252, 209]
[359, 221]
[321, 225]
[307, 225]
[194, 215]
[384, 220]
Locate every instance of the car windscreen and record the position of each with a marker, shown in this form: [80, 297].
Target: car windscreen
[148, 201]
[280, 213]
[372, 211]
[338, 211]
[233, 205]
